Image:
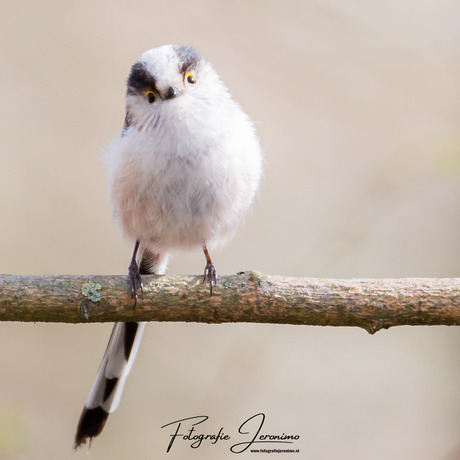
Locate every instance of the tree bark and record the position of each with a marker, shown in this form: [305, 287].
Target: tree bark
[247, 297]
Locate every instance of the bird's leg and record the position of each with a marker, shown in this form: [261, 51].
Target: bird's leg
[135, 279]
[209, 271]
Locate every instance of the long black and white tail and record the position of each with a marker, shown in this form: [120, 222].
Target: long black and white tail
[124, 341]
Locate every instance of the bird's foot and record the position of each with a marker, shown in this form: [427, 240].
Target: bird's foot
[135, 280]
[210, 275]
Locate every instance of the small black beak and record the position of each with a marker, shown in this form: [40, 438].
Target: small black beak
[172, 93]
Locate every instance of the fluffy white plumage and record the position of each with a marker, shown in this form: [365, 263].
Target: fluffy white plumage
[186, 169]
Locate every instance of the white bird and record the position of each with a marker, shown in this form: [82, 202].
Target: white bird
[182, 175]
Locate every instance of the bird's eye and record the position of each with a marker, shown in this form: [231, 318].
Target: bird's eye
[150, 95]
[191, 78]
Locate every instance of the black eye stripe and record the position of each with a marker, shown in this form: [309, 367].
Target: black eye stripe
[140, 79]
[188, 58]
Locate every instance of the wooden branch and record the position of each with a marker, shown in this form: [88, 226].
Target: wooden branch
[247, 297]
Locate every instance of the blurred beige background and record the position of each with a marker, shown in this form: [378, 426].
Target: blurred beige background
[358, 107]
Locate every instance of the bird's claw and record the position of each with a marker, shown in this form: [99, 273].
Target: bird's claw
[210, 275]
[135, 280]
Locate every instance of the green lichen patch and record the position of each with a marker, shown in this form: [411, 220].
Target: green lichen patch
[91, 291]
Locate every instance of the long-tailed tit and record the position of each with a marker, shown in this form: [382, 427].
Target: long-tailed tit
[182, 175]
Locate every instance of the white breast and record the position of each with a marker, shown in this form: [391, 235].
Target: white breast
[188, 180]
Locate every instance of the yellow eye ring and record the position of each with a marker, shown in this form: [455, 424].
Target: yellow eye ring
[150, 95]
[191, 78]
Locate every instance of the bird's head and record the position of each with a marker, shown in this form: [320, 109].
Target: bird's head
[166, 75]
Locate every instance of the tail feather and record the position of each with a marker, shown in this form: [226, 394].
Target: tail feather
[90, 425]
[106, 391]
[105, 394]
